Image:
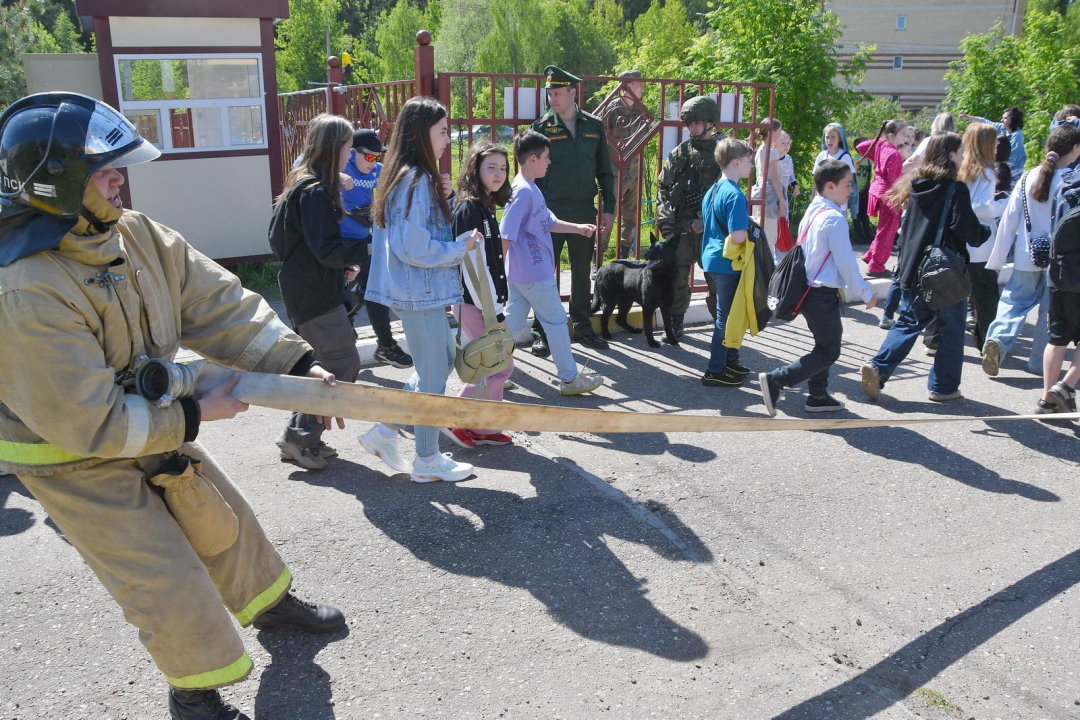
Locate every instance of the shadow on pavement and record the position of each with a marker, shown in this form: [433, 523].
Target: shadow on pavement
[293, 685]
[917, 663]
[13, 520]
[904, 445]
[552, 545]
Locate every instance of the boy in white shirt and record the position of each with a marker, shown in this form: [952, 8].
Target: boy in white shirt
[830, 267]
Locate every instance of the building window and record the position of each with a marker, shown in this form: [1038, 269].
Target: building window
[901, 22]
[898, 62]
[894, 98]
[184, 103]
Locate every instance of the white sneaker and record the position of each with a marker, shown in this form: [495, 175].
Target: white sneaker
[383, 448]
[443, 467]
[582, 383]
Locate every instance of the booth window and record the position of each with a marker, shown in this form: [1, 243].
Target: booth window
[192, 103]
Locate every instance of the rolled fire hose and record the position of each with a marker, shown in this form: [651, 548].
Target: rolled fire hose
[357, 401]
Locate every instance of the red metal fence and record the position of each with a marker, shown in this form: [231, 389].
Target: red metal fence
[642, 131]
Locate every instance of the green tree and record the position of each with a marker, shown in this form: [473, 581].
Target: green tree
[659, 41]
[301, 42]
[21, 31]
[1041, 76]
[865, 118]
[395, 38]
[794, 44]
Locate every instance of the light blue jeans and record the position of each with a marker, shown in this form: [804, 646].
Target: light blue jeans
[1025, 290]
[543, 298]
[431, 345]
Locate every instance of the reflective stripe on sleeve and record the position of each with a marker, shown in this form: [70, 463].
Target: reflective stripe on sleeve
[265, 599]
[18, 453]
[269, 336]
[233, 672]
[138, 426]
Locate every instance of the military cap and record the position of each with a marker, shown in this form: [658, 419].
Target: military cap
[556, 77]
[630, 75]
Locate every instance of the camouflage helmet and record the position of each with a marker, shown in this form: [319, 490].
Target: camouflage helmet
[699, 108]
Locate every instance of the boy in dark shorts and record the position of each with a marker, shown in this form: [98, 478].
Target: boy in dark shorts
[1064, 328]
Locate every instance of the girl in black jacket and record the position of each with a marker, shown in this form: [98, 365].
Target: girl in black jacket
[923, 194]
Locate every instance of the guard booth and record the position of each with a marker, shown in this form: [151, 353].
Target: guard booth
[198, 80]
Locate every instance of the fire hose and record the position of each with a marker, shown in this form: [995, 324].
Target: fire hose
[162, 381]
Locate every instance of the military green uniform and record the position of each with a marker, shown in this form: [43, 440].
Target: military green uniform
[687, 175]
[621, 121]
[579, 161]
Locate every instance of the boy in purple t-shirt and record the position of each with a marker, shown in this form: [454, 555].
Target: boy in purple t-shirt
[526, 228]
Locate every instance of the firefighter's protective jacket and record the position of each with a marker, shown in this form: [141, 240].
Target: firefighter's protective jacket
[74, 317]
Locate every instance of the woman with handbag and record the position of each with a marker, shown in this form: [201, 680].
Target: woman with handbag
[1025, 227]
[939, 225]
[414, 271]
[483, 186]
[767, 182]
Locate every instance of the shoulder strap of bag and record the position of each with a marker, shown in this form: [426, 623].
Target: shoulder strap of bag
[1023, 194]
[804, 231]
[481, 287]
[944, 214]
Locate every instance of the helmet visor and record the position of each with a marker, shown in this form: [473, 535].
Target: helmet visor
[113, 141]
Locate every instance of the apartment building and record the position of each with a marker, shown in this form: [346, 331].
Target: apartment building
[916, 40]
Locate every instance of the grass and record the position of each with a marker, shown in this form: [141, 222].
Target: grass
[936, 699]
[259, 277]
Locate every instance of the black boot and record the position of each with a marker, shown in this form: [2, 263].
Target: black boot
[676, 326]
[292, 612]
[201, 705]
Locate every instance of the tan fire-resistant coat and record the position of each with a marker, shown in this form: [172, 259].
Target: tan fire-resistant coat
[64, 336]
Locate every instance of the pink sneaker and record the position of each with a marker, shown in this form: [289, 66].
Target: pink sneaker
[490, 439]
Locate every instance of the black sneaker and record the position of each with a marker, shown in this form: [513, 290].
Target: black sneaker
[1063, 398]
[201, 705]
[770, 392]
[725, 378]
[393, 355]
[540, 348]
[592, 340]
[292, 612]
[826, 403]
[738, 368]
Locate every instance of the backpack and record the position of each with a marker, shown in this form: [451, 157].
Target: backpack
[943, 276]
[789, 287]
[1065, 237]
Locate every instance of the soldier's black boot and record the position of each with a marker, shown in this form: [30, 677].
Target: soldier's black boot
[201, 705]
[292, 612]
[676, 326]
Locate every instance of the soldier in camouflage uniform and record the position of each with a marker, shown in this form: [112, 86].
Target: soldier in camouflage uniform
[687, 174]
[624, 118]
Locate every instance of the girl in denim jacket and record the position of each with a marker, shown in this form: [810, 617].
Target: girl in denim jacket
[414, 270]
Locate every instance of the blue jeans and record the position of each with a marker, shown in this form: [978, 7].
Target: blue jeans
[1025, 290]
[914, 316]
[892, 300]
[720, 356]
[543, 298]
[821, 309]
[431, 345]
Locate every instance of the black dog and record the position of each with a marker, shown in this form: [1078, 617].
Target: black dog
[651, 284]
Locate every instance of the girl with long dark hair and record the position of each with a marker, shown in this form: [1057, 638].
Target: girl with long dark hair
[414, 271]
[888, 167]
[924, 195]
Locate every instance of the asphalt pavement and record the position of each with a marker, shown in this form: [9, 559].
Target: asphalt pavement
[886, 573]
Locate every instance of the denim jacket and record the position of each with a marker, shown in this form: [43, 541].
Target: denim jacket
[414, 259]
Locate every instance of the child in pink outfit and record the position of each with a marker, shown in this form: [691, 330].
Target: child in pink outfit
[888, 167]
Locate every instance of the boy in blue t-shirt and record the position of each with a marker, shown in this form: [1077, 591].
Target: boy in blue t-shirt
[364, 169]
[726, 219]
[526, 228]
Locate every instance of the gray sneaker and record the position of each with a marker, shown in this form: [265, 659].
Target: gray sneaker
[307, 458]
[582, 383]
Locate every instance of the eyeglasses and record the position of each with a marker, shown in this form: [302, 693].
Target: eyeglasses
[368, 157]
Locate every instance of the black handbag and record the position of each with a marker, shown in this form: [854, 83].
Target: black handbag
[943, 277]
[1038, 247]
